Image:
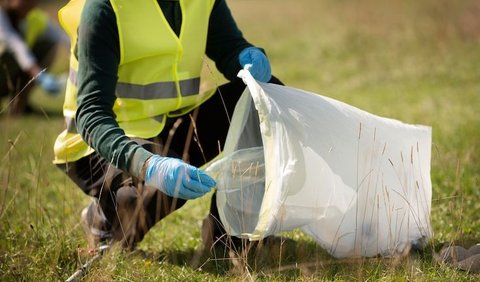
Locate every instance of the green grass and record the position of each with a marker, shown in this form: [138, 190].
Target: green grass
[416, 61]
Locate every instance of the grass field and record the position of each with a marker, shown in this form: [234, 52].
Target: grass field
[416, 61]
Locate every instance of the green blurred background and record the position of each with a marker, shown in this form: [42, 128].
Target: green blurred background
[417, 61]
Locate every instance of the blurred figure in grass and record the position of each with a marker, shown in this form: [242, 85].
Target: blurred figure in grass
[134, 78]
[28, 40]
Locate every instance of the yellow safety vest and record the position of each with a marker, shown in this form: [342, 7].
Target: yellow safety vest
[158, 75]
[36, 24]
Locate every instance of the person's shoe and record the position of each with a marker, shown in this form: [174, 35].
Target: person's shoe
[461, 258]
[94, 227]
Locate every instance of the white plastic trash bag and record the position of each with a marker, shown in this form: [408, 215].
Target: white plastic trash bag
[359, 184]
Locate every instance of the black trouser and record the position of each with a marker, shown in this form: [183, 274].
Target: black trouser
[131, 209]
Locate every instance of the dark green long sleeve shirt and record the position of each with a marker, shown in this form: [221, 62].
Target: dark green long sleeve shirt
[98, 53]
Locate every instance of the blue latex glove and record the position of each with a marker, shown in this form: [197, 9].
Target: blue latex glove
[48, 83]
[177, 178]
[260, 68]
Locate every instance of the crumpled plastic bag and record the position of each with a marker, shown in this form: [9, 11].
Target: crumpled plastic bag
[359, 184]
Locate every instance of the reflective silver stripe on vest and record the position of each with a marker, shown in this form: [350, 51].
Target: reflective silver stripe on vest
[190, 87]
[71, 126]
[158, 90]
[159, 118]
[72, 76]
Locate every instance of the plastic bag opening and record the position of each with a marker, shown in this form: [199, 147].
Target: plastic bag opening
[359, 184]
[241, 187]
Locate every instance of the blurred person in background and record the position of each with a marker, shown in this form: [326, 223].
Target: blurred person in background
[28, 41]
[134, 81]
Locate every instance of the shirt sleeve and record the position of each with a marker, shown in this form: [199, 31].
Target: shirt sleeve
[99, 56]
[225, 41]
[15, 44]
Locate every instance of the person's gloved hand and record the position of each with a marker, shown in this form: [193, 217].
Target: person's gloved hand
[49, 83]
[177, 178]
[260, 68]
